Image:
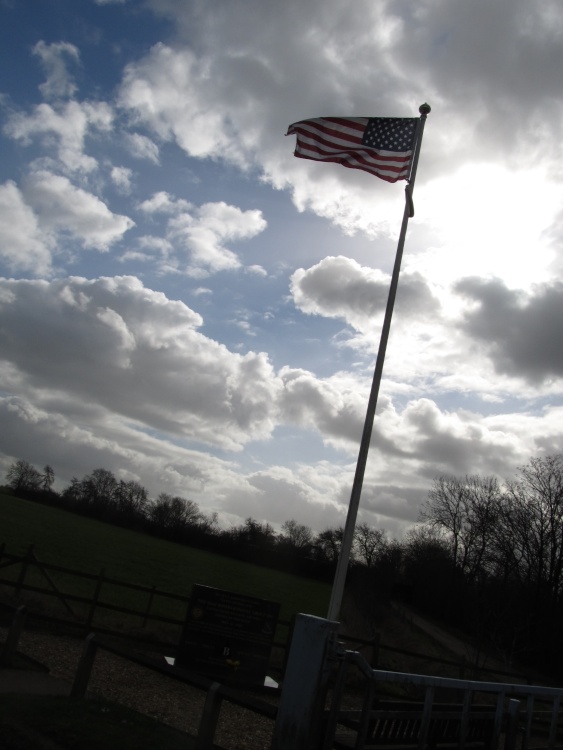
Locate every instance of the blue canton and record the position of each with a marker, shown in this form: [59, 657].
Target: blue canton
[390, 133]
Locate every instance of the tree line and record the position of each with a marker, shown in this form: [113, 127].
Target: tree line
[502, 558]
[102, 496]
[484, 557]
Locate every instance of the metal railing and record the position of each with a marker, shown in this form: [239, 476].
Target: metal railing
[517, 712]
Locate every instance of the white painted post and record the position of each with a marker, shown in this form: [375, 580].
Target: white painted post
[300, 710]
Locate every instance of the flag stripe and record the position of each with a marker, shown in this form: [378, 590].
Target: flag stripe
[359, 158]
[322, 146]
[354, 163]
[340, 140]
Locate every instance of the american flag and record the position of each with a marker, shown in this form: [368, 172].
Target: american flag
[382, 146]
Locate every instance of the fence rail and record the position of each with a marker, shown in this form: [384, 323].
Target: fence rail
[215, 693]
[515, 717]
[95, 604]
[152, 611]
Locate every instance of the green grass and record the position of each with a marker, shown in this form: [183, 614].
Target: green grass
[83, 544]
[35, 722]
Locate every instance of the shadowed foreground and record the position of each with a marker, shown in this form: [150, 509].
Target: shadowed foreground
[46, 722]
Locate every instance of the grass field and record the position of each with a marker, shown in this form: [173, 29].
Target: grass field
[83, 544]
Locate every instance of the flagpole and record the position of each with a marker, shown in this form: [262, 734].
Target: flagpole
[349, 529]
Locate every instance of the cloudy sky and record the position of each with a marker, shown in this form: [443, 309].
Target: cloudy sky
[186, 304]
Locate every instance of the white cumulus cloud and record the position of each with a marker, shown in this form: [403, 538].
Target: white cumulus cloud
[201, 232]
[23, 246]
[62, 207]
[54, 58]
[69, 124]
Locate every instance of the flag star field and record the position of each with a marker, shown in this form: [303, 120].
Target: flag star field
[186, 304]
[390, 134]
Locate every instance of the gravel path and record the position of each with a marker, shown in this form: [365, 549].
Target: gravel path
[147, 692]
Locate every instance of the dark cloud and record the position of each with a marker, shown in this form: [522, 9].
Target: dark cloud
[133, 352]
[456, 443]
[341, 288]
[490, 70]
[490, 67]
[522, 332]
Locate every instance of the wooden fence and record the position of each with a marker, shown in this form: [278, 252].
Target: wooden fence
[88, 611]
[150, 622]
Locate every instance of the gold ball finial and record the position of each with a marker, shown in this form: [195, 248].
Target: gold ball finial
[424, 109]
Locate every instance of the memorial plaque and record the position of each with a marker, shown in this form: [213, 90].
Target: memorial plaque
[228, 636]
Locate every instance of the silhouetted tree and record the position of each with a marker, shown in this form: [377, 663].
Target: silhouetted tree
[48, 477]
[22, 476]
[296, 536]
[254, 533]
[73, 496]
[208, 524]
[427, 565]
[100, 489]
[131, 501]
[529, 545]
[370, 544]
[464, 511]
[173, 512]
[328, 544]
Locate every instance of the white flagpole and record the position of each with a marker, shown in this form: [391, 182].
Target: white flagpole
[349, 529]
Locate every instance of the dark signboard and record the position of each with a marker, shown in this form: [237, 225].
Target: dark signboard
[228, 636]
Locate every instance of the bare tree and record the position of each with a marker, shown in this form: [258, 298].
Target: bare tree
[100, 489]
[173, 512]
[131, 499]
[530, 529]
[425, 542]
[296, 535]
[209, 524]
[328, 543]
[370, 544]
[252, 532]
[464, 511]
[48, 477]
[23, 476]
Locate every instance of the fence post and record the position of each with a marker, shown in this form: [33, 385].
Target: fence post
[512, 725]
[96, 596]
[209, 718]
[462, 667]
[149, 606]
[23, 572]
[301, 707]
[375, 646]
[12, 639]
[554, 717]
[84, 669]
